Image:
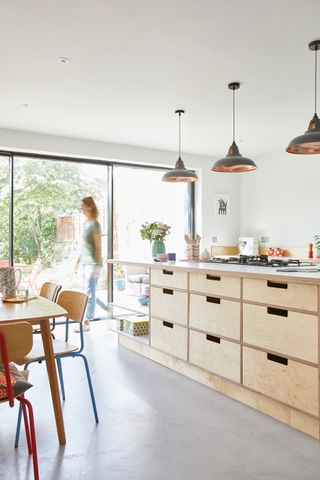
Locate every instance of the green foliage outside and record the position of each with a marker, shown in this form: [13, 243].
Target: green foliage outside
[43, 190]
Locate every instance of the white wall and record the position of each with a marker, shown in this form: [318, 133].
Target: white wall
[227, 230]
[281, 199]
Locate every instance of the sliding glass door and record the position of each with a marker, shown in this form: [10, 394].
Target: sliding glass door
[47, 220]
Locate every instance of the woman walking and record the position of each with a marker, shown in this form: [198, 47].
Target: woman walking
[91, 257]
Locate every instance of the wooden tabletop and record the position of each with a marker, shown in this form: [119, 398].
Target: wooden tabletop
[33, 311]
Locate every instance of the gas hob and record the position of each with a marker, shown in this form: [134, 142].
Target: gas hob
[260, 261]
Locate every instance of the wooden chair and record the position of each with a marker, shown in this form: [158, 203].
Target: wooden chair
[50, 291]
[75, 303]
[15, 342]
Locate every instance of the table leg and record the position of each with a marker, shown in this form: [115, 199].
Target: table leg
[53, 379]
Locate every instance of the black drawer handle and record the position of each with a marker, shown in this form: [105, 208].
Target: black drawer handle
[276, 358]
[214, 339]
[277, 311]
[277, 285]
[167, 291]
[167, 272]
[213, 300]
[212, 277]
[167, 324]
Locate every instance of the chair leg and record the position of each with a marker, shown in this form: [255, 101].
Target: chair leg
[26, 426]
[60, 373]
[90, 386]
[18, 428]
[16, 441]
[28, 411]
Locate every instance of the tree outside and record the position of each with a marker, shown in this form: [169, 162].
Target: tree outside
[44, 191]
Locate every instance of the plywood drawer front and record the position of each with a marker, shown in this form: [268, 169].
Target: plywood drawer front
[284, 294]
[169, 304]
[289, 333]
[290, 382]
[215, 315]
[169, 338]
[215, 355]
[169, 278]
[215, 284]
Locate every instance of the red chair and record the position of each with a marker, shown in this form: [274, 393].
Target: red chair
[15, 342]
[31, 282]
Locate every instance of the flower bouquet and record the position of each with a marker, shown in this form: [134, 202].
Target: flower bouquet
[156, 233]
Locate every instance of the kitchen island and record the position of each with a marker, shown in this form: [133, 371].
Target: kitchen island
[251, 333]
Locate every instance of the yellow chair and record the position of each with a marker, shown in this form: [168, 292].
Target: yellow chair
[75, 304]
[50, 291]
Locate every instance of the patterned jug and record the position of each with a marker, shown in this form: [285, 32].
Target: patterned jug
[8, 281]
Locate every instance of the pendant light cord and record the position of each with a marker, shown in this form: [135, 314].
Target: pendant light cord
[233, 115]
[179, 134]
[315, 78]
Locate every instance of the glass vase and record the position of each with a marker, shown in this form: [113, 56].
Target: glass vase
[158, 246]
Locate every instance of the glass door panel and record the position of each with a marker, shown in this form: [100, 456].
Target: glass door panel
[140, 196]
[48, 224]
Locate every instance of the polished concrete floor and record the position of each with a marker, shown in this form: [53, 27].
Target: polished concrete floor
[155, 425]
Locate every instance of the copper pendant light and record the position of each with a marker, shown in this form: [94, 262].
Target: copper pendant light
[309, 143]
[234, 162]
[180, 173]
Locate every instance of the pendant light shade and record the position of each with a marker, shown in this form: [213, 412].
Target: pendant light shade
[309, 142]
[180, 173]
[234, 162]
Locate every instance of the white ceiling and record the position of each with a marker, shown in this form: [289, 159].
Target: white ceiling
[133, 62]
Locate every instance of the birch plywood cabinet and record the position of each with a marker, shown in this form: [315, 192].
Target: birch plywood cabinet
[251, 336]
[215, 315]
[289, 333]
[215, 355]
[291, 382]
[169, 304]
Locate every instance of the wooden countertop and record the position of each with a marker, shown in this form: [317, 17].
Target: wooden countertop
[226, 269]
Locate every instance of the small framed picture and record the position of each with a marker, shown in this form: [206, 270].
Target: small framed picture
[222, 205]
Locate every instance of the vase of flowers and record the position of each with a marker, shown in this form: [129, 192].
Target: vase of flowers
[156, 233]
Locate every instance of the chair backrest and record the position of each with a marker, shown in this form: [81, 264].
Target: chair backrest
[50, 291]
[18, 339]
[75, 303]
[15, 343]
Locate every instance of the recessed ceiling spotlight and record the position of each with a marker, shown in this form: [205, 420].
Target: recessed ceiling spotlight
[63, 60]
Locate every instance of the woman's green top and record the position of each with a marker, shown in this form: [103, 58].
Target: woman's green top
[90, 229]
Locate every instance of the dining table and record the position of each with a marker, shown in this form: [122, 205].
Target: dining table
[38, 311]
